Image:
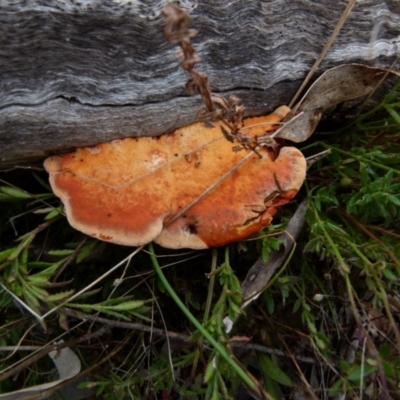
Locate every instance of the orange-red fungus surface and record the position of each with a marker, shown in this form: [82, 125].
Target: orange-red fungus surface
[188, 188]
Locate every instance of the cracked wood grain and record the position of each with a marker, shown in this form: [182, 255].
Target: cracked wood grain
[79, 73]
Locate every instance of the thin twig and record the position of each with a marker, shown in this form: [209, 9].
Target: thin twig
[338, 27]
[19, 348]
[95, 282]
[385, 231]
[177, 32]
[125, 325]
[69, 260]
[268, 350]
[209, 189]
[300, 371]
[372, 236]
[216, 106]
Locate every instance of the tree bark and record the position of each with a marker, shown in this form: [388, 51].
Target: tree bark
[75, 74]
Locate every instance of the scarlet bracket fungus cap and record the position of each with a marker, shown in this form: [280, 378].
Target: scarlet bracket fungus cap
[186, 189]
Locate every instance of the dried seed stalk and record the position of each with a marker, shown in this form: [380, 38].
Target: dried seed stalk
[229, 111]
[216, 107]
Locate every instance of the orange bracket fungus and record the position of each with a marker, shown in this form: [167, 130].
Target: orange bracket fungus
[194, 188]
[204, 185]
[189, 188]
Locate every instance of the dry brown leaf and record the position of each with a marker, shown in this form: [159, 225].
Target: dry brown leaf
[261, 272]
[68, 365]
[336, 85]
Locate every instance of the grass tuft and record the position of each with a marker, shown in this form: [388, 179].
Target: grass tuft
[326, 326]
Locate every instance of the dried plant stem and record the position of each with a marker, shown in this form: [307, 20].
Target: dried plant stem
[209, 189]
[69, 260]
[216, 107]
[177, 32]
[160, 332]
[384, 231]
[124, 325]
[95, 282]
[310, 391]
[372, 236]
[338, 27]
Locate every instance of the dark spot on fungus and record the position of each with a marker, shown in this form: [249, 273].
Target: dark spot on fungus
[109, 215]
[105, 237]
[192, 229]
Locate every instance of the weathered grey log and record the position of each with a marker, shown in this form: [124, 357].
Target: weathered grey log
[79, 73]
